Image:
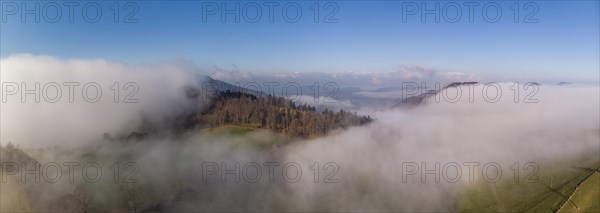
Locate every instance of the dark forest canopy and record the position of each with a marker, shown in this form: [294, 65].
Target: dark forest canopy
[274, 113]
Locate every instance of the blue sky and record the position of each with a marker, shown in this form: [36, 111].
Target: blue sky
[369, 36]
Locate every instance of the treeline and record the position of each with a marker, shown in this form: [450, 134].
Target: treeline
[13, 154]
[274, 113]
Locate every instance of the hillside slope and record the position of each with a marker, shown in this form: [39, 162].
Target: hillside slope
[274, 113]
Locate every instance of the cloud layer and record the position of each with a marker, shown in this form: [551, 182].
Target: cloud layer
[79, 100]
[563, 123]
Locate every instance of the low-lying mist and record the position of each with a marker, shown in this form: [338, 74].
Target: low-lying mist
[76, 101]
[366, 168]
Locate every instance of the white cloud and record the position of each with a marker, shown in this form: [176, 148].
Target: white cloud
[227, 75]
[565, 122]
[159, 92]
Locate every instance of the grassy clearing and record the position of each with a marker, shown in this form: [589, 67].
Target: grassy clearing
[556, 182]
[586, 198]
[230, 130]
[248, 137]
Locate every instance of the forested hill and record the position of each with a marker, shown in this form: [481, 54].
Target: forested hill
[274, 113]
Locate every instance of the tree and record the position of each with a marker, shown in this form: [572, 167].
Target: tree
[227, 119]
[133, 197]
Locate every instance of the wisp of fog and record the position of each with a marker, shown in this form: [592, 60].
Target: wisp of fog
[369, 161]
